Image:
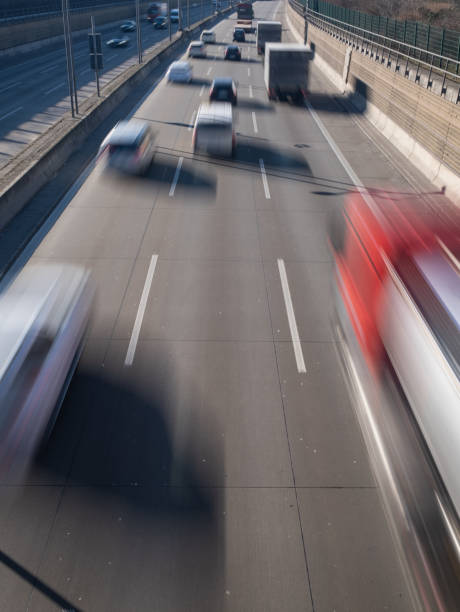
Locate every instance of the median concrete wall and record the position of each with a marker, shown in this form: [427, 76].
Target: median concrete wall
[421, 124]
[29, 171]
[24, 33]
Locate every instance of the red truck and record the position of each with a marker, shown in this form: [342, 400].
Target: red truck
[397, 324]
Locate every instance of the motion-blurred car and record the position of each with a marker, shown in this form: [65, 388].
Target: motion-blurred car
[213, 132]
[128, 26]
[128, 147]
[233, 52]
[197, 48]
[239, 35]
[179, 72]
[44, 314]
[397, 321]
[174, 15]
[161, 22]
[116, 43]
[208, 36]
[223, 89]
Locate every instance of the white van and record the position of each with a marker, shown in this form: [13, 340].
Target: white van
[213, 132]
[208, 36]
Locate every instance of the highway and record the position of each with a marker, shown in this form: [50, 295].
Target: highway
[34, 93]
[207, 456]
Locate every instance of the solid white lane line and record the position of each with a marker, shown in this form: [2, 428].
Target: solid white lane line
[176, 177]
[53, 89]
[140, 312]
[11, 112]
[338, 153]
[201, 90]
[291, 318]
[209, 71]
[264, 178]
[254, 121]
[10, 86]
[251, 94]
[192, 121]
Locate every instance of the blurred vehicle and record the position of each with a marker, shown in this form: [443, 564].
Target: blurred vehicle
[128, 26]
[238, 35]
[174, 15]
[267, 31]
[244, 10]
[232, 52]
[223, 89]
[213, 132]
[155, 9]
[128, 147]
[208, 36]
[115, 43]
[44, 314]
[179, 72]
[197, 48]
[286, 71]
[161, 22]
[397, 321]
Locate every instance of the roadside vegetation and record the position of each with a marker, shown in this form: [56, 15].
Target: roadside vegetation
[442, 13]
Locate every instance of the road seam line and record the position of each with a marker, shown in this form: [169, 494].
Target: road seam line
[141, 311]
[264, 178]
[176, 177]
[291, 318]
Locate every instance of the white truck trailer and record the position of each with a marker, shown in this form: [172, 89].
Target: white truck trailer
[267, 31]
[286, 70]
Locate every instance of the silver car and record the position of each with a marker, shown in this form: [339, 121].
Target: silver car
[43, 318]
[128, 147]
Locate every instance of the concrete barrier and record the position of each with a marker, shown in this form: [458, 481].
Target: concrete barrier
[29, 171]
[422, 125]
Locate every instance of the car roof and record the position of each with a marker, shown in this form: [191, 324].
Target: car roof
[180, 65]
[196, 43]
[238, 28]
[214, 112]
[207, 32]
[227, 81]
[126, 132]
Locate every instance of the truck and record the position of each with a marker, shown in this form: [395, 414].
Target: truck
[244, 10]
[286, 70]
[267, 31]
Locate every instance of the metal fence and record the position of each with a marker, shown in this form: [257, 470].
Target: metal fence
[424, 37]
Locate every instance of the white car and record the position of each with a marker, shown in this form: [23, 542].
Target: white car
[197, 48]
[213, 133]
[174, 16]
[208, 37]
[128, 147]
[179, 72]
[44, 315]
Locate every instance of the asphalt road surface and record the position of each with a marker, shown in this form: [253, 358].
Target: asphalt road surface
[34, 93]
[205, 459]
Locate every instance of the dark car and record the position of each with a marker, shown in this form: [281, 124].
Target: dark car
[233, 53]
[223, 89]
[117, 42]
[128, 26]
[160, 23]
[238, 35]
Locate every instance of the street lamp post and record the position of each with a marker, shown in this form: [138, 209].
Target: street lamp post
[69, 58]
[138, 32]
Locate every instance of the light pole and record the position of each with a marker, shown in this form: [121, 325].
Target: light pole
[69, 58]
[138, 31]
[188, 14]
[169, 18]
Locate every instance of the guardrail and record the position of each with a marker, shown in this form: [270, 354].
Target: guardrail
[403, 57]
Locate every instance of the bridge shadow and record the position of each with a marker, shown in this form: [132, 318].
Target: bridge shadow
[137, 491]
[354, 102]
